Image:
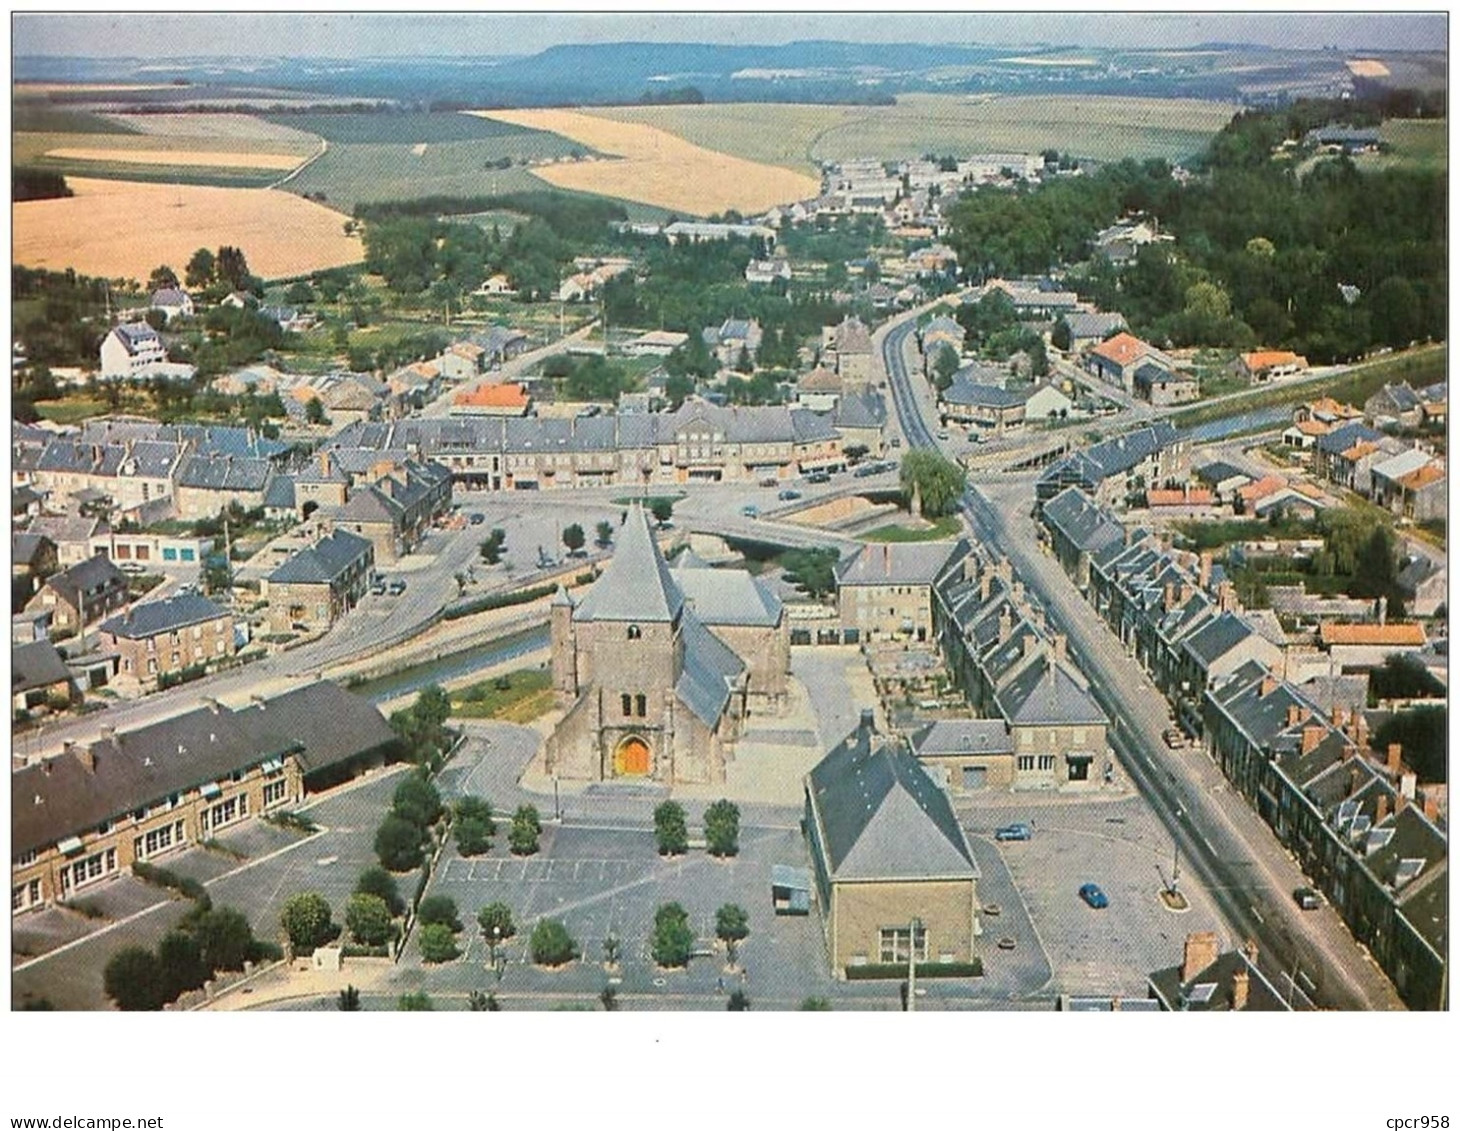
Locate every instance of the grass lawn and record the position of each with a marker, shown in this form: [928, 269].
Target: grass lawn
[944, 528]
[528, 693]
[1412, 144]
[647, 500]
[71, 410]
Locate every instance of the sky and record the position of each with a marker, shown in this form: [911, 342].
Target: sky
[375, 34]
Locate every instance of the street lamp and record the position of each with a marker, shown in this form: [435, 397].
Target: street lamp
[914, 929]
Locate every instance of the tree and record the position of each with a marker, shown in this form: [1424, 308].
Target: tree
[224, 938]
[306, 920]
[398, 843]
[348, 1001]
[815, 1005]
[672, 941]
[1421, 732]
[438, 943]
[813, 571]
[378, 882]
[608, 997]
[722, 828]
[161, 278]
[1061, 337]
[314, 412]
[472, 836]
[945, 365]
[604, 531]
[199, 271]
[416, 800]
[418, 1002]
[299, 293]
[492, 546]
[232, 268]
[134, 979]
[573, 538]
[368, 919]
[937, 482]
[1376, 570]
[181, 961]
[676, 389]
[671, 830]
[731, 923]
[526, 828]
[662, 509]
[1404, 677]
[495, 920]
[439, 909]
[551, 945]
[854, 452]
[738, 1002]
[478, 1002]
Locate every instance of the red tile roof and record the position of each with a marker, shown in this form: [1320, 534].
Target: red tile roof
[1372, 634]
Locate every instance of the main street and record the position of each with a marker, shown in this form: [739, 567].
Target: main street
[1217, 834]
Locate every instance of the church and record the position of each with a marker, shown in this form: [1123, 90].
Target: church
[658, 668]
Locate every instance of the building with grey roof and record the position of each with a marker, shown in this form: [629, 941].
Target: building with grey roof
[895, 876]
[1078, 529]
[208, 484]
[81, 594]
[884, 590]
[85, 816]
[156, 640]
[38, 678]
[1106, 470]
[317, 585]
[658, 668]
[1209, 980]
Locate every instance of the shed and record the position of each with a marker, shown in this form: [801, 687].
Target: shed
[790, 890]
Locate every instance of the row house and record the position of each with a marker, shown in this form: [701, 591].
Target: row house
[396, 507]
[1112, 469]
[161, 638]
[80, 595]
[208, 484]
[88, 814]
[129, 473]
[885, 592]
[1359, 826]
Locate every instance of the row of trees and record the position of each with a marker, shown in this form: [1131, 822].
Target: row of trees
[721, 823]
[206, 941]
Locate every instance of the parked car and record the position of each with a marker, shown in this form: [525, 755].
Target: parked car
[788, 495]
[1174, 739]
[1017, 831]
[769, 481]
[378, 589]
[895, 442]
[819, 477]
[942, 433]
[396, 587]
[478, 518]
[1307, 899]
[1092, 895]
[750, 510]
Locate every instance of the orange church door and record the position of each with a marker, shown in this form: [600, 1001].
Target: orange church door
[631, 759]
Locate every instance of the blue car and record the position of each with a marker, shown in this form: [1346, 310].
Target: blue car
[1092, 895]
[1017, 831]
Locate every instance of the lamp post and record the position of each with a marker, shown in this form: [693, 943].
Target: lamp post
[914, 929]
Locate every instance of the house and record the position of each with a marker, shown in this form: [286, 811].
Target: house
[895, 877]
[208, 484]
[395, 507]
[1352, 647]
[989, 408]
[38, 678]
[1117, 359]
[767, 272]
[162, 638]
[1090, 327]
[1078, 529]
[885, 591]
[1209, 981]
[501, 343]
[131, 350]
[506, 399]
[1047, 401]
[81, 595]
[498, 286]
[851, 342]
[1110, 470]
[27, 628]
[75, 537]
[1411, 484]
[732, 338]
[1223, 478]
[32, 556]
[942, 331]
[819, 390]
[462, 361]
[1162, 387]
[290, 319]
[1424, 583]
[92, 812]
[173, 302]
[656, 343]
[1349, 139]
[1395, 404]
[966, 755]
[317, 585]
[177, 554]
[1261, 366]
[860, 419]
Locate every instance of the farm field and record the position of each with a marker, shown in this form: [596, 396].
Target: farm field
[803, 136]
[660, 168]
[379, 157]
[234, 128]
[123, 229]
[1413, 144]
[208, 157]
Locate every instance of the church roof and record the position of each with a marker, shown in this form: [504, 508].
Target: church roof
[728, 596]
[710, 668]
[637, 584]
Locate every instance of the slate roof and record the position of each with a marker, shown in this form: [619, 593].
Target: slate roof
[368, 504]
[279, 493]
[94, 573]
[1220, 976]
[321, 563]
[1219, 471]
[980, 396]
[637, 584]
[24, 547]
[224, 473]
[320, 722]
[725, 596]
[1093, 324]
[899, 563]
[1088, 526]
[182, 610]
[881, 817]
[1044, 694]
[962, 736]
[36, 665]
[1217, 637]
[137, 336]
[709, 672]
[860, 410]
[1113, 456]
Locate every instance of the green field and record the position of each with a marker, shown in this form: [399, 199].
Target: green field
[406, 128]
[802, 136]
[1412, 144]
[31, 148]
[32, 116]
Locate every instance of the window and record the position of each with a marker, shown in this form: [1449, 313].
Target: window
[189, 556]
[91, 868]
[275, 792]
[1026, 762]
[197, 632]
[26, 895]
[219, 647]
[634, 633]
[169, 553]
[640, 703]
[1046, 761]
[892, 944]
[628, 704]
[158, 840]
[26, 857]
[225, 812]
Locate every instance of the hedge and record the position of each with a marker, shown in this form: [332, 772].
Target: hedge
[163, 877]
[355, 950]
[880, 970]
[497, 601]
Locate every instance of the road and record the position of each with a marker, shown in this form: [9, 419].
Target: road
[1218, 835]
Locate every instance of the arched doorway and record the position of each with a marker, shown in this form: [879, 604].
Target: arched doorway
[631, 758]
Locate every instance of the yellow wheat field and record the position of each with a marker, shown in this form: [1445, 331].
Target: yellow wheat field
[123, 229]
[211, 158]
[658, 168]
[1366, 68]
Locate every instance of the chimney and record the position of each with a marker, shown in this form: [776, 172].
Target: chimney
[86, 756]
[324, 463]
[1061, 646]
[1382, 809]
[1361, 729]
[1401, 803]
[1200, 952]
[1383, 610]
[1239, 990]
[1187, 592]
[1407, 783]
[1168, 597]
[1391, 758]
[985, 586]
[1006, 623]
[259, 699]
[1249, 952]
[1338, 717]
[869, 721]
[108, 731]
[887, 559]
[1431, 805]
[212, 704]
[1269, 685]
[1026, 645]
[1227, 597]
[1204, 569]
[1016, 592]
[1295, 714]
[1312, 736]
